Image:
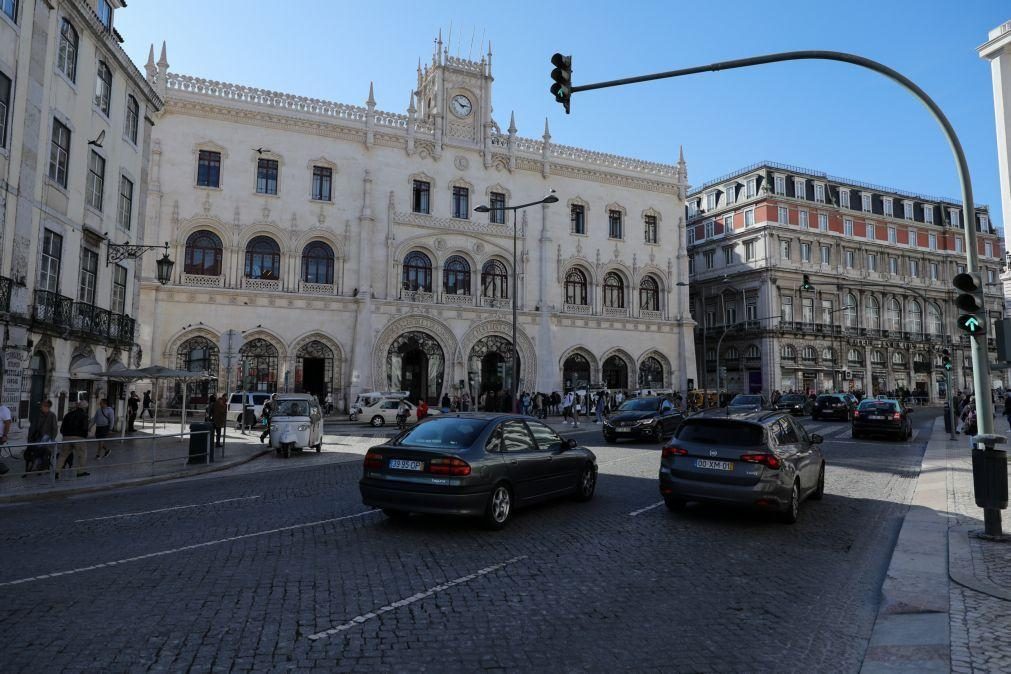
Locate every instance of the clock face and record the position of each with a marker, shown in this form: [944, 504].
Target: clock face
[461, 105]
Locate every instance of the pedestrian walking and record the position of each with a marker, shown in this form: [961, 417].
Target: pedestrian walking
[74, 427]
[265, 413]
[567, 407]
[601, 403]
[219, 417]
[132, 406]
[329, 403]
[146, 406]
[403, 412]
[38, 454]
[422, 409]
[102, 421]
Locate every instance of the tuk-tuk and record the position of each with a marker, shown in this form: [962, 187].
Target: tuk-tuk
[296, 423]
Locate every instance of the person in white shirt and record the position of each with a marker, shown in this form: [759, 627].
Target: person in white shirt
[5, 419]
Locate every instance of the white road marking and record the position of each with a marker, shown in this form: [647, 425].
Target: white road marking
[626, 458]
[406, 601]
[640, 511]
[195, 546]
[161, 510]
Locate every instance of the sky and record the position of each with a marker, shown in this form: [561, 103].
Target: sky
[831, 117]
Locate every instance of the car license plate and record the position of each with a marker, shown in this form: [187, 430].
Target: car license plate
[401, 464]
[876, 417]
[714, 465]
[623, 430]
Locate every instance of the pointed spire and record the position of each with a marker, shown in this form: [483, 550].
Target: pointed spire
[410, 104]
[150, 56]
[512, 123]
[149, 67]
[372, 98]
[681, 154]
[547, 134]
[163, 61]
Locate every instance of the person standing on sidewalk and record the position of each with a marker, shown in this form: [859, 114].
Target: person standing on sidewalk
[147, 406]
[132, 405]
[219, 417]
[74, 427]
[102, 421]
[43, 430]
[567, 406]
[265, 413]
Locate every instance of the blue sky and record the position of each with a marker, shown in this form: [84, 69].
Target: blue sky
[832, 117]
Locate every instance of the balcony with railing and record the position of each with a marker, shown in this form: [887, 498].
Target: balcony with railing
[581, 309]
[615, 312]
[496, 302]
[63, 314]
[458, 299]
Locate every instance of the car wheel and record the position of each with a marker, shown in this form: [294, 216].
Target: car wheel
[587, 483]
[674, 504]
[377, 421]
[396, 515]
[658, 435]
[499, 508]
[819, 491]
[789, 516]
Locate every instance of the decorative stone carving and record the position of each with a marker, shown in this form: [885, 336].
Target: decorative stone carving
[461, 162]
[478, 247]
[437, 329]
[440, 244]
[495, 326]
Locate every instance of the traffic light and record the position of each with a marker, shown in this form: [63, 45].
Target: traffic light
[970, 302]
[806, 285]
[562, 76]
[946, 360]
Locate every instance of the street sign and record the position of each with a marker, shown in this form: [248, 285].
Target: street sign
[969, 323]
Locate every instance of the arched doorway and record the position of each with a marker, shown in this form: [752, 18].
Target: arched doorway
[314, 365]
[39, 366]
[489, 368]
[615, 373]
[197, 354]
[576, 372]
[651, 373]
[416, 363]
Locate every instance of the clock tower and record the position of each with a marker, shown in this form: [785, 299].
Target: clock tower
[454, 96]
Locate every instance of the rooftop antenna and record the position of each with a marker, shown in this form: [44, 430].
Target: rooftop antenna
[449, 40]
[470, 51]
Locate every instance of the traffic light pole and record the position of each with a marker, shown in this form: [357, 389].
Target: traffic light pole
[980, 366]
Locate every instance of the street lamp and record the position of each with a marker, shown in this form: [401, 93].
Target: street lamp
[549, 199]
[116, 252]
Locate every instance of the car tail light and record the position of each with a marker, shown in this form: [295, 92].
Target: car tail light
[671, 451]
[897, 416]
[856, 413]
[373, 461]
[768, 460]
[449, 466]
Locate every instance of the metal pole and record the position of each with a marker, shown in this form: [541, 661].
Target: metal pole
[951, 404]
[514, 384]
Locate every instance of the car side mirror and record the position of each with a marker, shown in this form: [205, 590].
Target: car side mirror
[816, 439]
[569, 444]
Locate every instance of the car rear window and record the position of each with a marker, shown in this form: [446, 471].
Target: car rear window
[794, 399]
[720, 432]
[883, 405]
[746, 400]
[449, 433]
[828, 399]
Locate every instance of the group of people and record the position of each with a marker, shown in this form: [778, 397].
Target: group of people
[75, 427]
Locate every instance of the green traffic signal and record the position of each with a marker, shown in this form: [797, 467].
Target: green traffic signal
[562, 76]
[970, 301]
[806, 283]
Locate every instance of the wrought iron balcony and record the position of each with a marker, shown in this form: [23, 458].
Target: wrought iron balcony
[53, 309]
[86, 320]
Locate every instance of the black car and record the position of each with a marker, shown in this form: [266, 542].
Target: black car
[650, 418]
[482, 465]
[833, 406]
[882, 416]
[795, 403]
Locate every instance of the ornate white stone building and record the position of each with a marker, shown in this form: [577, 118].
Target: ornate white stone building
[343, 242]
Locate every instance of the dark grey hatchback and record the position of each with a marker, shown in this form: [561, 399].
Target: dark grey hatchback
[759, 459]
[482, 465]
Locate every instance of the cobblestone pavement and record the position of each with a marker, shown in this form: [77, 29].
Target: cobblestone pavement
[980, 623]
[239, 571]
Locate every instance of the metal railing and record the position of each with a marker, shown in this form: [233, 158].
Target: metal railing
[57, 311]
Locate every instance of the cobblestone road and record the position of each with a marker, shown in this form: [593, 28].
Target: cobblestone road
[287, 570]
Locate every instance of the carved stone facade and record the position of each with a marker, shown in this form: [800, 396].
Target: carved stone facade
[359, 225]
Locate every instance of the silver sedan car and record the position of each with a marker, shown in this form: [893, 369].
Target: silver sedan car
[758, 459]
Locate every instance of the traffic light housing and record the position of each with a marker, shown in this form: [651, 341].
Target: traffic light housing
[970, 302]
[562, 77]
[806, 284]
[946, 360]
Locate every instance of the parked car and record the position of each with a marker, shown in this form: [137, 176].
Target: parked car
[383, 411]
[794, 403]
[255, 399]
[759, 459]
[650, 418]
[746, 403]
[369, 399]
[882, 416]
[475, 464]
[833, 406]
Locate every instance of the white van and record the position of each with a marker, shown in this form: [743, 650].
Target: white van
[252, 398]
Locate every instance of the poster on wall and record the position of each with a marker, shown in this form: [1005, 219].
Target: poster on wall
[15, 361]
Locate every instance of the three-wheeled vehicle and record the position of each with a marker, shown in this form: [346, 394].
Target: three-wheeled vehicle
[296, 423]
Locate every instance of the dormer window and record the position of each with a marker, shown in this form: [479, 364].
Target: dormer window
[844, 197]
[865, 202]
[907, 210]
[711, 201]
[928, 214]
[104, 11]
[779, 185]
[889, 210]
[819, 193]
[730, 190]
[799, 188]
[984, 223]
[752, 187]
[953, 217]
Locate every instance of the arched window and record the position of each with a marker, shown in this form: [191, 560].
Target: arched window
[850, 313]
[920, 357]
[827, 354]
[456, 276]
[893, 315]
[417, 272]
[788, 352]
[899, 358]
[855, 356]
[651, 373]
[877, 357]
[809, 353]
[494, 280]
[261, 359]
[203, 254]
[915, 317]
[649, 294]
[731, 354]
[103, 88]
[872, 309]
[317, 263]
[66, 59]
[575, 287]
[614, 291]
[933, 319]
[753, 353]
[263, 258]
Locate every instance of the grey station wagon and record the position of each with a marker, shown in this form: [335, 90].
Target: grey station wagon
[759, 459]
